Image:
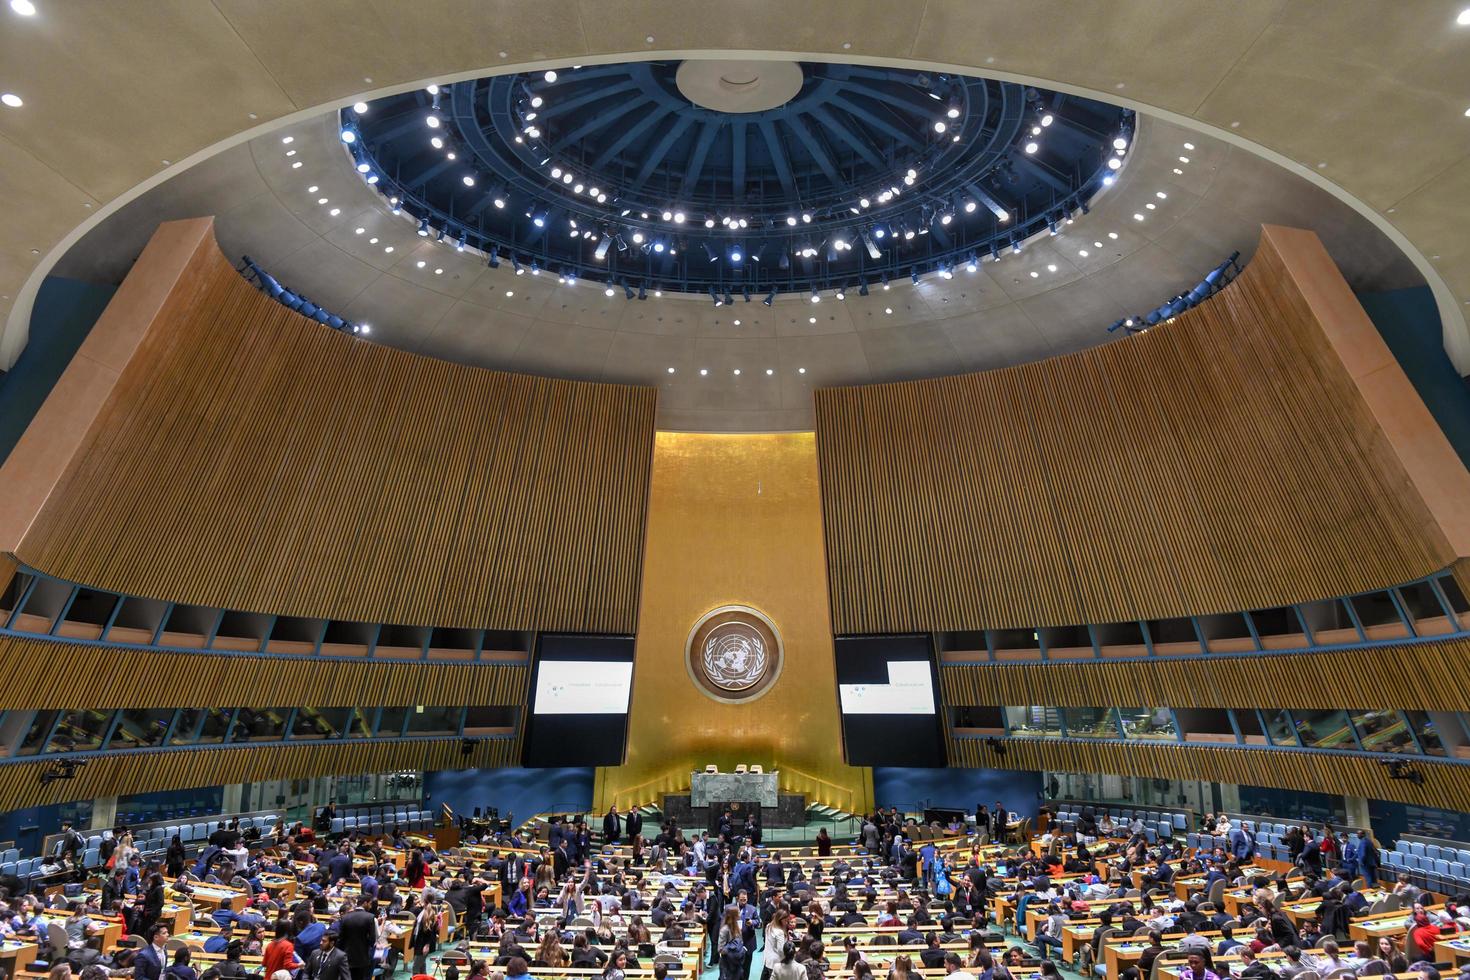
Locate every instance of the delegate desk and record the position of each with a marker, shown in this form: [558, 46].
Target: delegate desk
[714, 788]
[16, 955]
[1394, 923]
[1455, 950]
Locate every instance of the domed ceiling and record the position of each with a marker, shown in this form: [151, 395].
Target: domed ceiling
[729, 176]
[320, 215]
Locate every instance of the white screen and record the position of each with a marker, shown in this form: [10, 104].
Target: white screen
[583, 687]
[909, 691]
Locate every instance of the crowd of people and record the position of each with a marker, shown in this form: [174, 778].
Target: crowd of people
[617, 903]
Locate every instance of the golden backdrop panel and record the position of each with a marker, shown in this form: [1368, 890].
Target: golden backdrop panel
[1445, 783]
[1391, 676]
[1225, 461]
[253, 459]
[734, 519]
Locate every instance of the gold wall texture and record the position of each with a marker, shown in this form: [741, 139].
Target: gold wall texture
[734, 519]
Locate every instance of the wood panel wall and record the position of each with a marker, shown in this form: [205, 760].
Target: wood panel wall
[141, 772]
[1446, 784]
[1384, 677]
[253, 459]
[130, 678]
[1223, 462]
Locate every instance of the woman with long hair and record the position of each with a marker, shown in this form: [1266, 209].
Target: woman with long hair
[551, 953]
[776, 936]
[425, 938]
[902, 969]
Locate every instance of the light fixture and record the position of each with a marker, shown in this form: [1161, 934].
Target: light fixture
[671, 370]
[703, 372]
[432, 121]
[359, 107]
[806, 218]
[1120, 144]
[609, 290]
[1184, 159]
[1161, 195]
[288, 139]
[841, 293]
[23, 7]
[1046, 120]
[1031, 147]
[362, 168]
[715, 296]
[736, 255]
[816, 296]
[737, 372]
[349, 137]
[1114, 163]
[550, 76]
[770, 297]
[940, 126]
[432, 89]
[801, 370]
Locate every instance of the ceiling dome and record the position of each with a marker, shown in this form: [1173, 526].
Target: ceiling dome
[720, 176]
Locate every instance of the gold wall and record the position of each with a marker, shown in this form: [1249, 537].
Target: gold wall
[734, 519]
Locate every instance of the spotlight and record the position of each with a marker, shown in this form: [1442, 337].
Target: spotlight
[493, 260]
[550, 76]
[349, 137]
[1114, 163]
[1032, 147]
[862, 287]
[736, 255]
[609, 290]
[642, 292]
[602, 246]
[468, 180]
[806, 217]
[791, 219]
[515, 263]
[940, 126]
[914, 274]
[628, 291]
[970, 207]
[1120, 143]
[873, 252]
[423, 227]
[841, 293]
[715, 296]
[729, 299]
[539, 219]
[432, 121]
[816, 296]
[1047, 120]
[535, 268]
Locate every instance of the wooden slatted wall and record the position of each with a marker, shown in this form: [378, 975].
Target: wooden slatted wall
[131, 678]
[1219, 463]
[1384, 677]
[1445, 785]
[140, 772]
[253, 459]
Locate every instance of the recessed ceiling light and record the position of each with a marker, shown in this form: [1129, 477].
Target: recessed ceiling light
[438, 272]
[737, 323]
[1189, 146]
[811, 319]
[1464, 19]
[421, 263]
[1051, 268]
[703, 372]
[334, 212]
[288, 139]
[1178, 171]
[1082, 252]
[12, 100]
[509, 293]
[671, 370]
[1137, 216]
[321, 200]
[23, 7]
[296, 165]
[550, 76]
[1151, 205]
[737, 372]
[1031, 147]
[388, 248]
[801, 370]
[358, 231]
[373, 240]
[312, 189]
[1035, 275]
[1112, 234]
[1184, 159]
[1161, 195]
[888, 311]
[359, 107]
[290, 153]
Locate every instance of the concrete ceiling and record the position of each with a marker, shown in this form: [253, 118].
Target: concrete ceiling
[1366, 101]
[265, 207]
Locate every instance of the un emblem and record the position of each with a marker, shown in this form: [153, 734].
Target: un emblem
[733, 654]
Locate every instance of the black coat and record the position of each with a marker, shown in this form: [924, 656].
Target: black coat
[328, 965]
[357, 934]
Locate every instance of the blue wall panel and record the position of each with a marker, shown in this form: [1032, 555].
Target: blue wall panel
[1409, 323]
[963, 788]
[63, 314]
[522, 792]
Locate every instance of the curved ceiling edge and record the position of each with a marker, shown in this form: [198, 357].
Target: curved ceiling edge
[1456, 334]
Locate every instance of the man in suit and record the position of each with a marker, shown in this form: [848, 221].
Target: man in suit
[633, 826]
[328, 962]
[357, 934]
[149, 963]
[612, 826]
[512, 871]
[775, 871]
[1367, 855]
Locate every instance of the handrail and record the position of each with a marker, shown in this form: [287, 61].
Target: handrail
[1214, 281]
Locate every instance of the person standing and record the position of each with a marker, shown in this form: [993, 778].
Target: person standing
[327, 962]
[357, 935]
[612, 826]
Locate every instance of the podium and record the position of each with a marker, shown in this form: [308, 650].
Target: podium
[714, 788]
